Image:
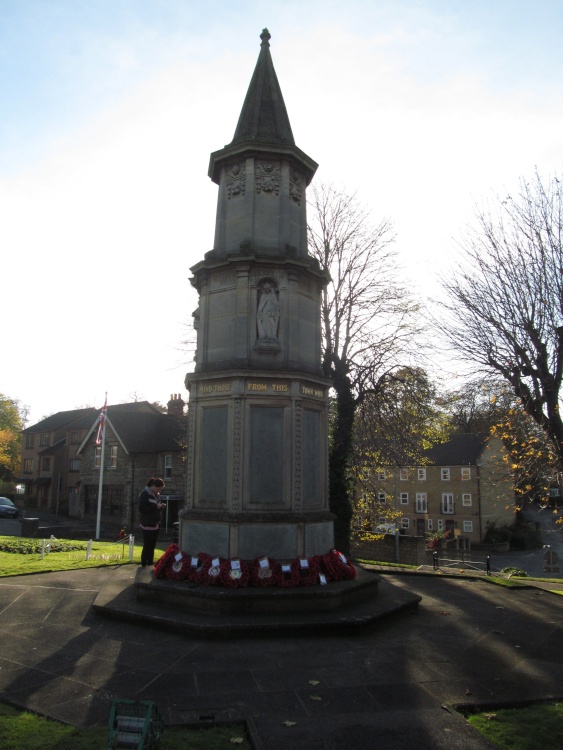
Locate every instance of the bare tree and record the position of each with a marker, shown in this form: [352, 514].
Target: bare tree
[367, 323]
[504, 312]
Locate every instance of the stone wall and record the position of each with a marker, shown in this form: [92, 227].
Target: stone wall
[412, 550]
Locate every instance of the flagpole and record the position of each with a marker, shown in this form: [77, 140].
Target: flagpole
[102, 437]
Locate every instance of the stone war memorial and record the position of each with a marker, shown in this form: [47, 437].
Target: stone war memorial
[256, 534]
[258, 433]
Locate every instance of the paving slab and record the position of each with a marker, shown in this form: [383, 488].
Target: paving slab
[393, 685]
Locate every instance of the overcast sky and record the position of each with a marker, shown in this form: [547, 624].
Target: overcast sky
[110, 109]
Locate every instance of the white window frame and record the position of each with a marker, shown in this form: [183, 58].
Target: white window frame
[97, 456]
[421, 475]
[466, 499]
[381, 475]
[465, 473]
[430, 524]
[440, 524]
[403, 475]
[113, 457]
[405, 523]
[468, 526]
[421, 502]
[167, 467]
[448, 507]
[381, 497]
[404, 498]
[445, 475]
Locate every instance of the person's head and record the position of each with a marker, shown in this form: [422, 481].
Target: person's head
[155, 482]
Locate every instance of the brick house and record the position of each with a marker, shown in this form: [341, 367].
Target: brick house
[61, 462]
[460, 487]
[49, 468]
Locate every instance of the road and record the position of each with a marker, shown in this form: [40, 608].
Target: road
[532, 561]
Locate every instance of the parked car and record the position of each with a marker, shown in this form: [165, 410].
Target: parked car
[386, 528]
[8, 509]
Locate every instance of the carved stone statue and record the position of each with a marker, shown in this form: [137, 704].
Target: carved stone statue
[268, 312]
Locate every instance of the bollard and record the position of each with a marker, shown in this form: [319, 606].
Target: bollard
[43, 549]
[131, 547]
[488, 565]
[435, 560]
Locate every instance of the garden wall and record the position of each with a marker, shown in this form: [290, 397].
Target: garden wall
[412, 550]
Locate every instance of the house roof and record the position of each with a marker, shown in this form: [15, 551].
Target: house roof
[147, 433]
[459, 450]
[140, 428]
[61, 419]
[52, 449]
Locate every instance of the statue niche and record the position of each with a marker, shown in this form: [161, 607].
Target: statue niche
[267, 316]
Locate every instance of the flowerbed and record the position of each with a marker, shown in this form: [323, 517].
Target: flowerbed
[33, 546]
[177, 565]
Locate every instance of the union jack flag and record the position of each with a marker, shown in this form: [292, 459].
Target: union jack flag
[102, 422]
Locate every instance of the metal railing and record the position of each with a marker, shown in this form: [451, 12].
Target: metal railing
[462, 564]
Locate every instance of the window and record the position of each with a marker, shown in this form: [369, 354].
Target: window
[113, 457]
[421, 474]
[167, 467]
[404, 523]
[554, 492]
[75, 437]
[404, 498]
[403, 475]
[20, 489]
[468, 525]
[466, 499]
[445, 474]
[381, 474]
[430, 524]
[465, 473]
[421, 502]
[29, 441]
[97, 456]
[74, 464]
[440, 525]
[381, 497]
[44, 439]
[46, 464]
[28, 465]
[447, 502]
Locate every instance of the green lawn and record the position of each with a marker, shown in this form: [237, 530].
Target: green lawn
[538, 727]
[20, 730]
[19, 556]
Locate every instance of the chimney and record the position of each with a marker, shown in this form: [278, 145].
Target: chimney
[176, 405]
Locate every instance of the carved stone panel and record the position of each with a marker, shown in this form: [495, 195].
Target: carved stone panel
[268, 177]
[296, 183]
[311, 458]
[266, 455]
[236, 180]
[214, 448]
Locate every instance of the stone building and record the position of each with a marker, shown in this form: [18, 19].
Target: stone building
[61, 461]
[463, 485]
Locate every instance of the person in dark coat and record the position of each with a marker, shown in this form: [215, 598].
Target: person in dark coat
[150, 510]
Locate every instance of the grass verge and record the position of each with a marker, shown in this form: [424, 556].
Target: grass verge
[19, 556]
[21, 730]
[538, 727]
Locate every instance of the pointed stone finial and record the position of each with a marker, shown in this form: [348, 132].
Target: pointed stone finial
[265, 36]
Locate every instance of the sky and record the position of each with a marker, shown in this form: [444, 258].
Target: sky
[111, 108]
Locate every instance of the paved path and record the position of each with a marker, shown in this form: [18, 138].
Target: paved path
[469, 643]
